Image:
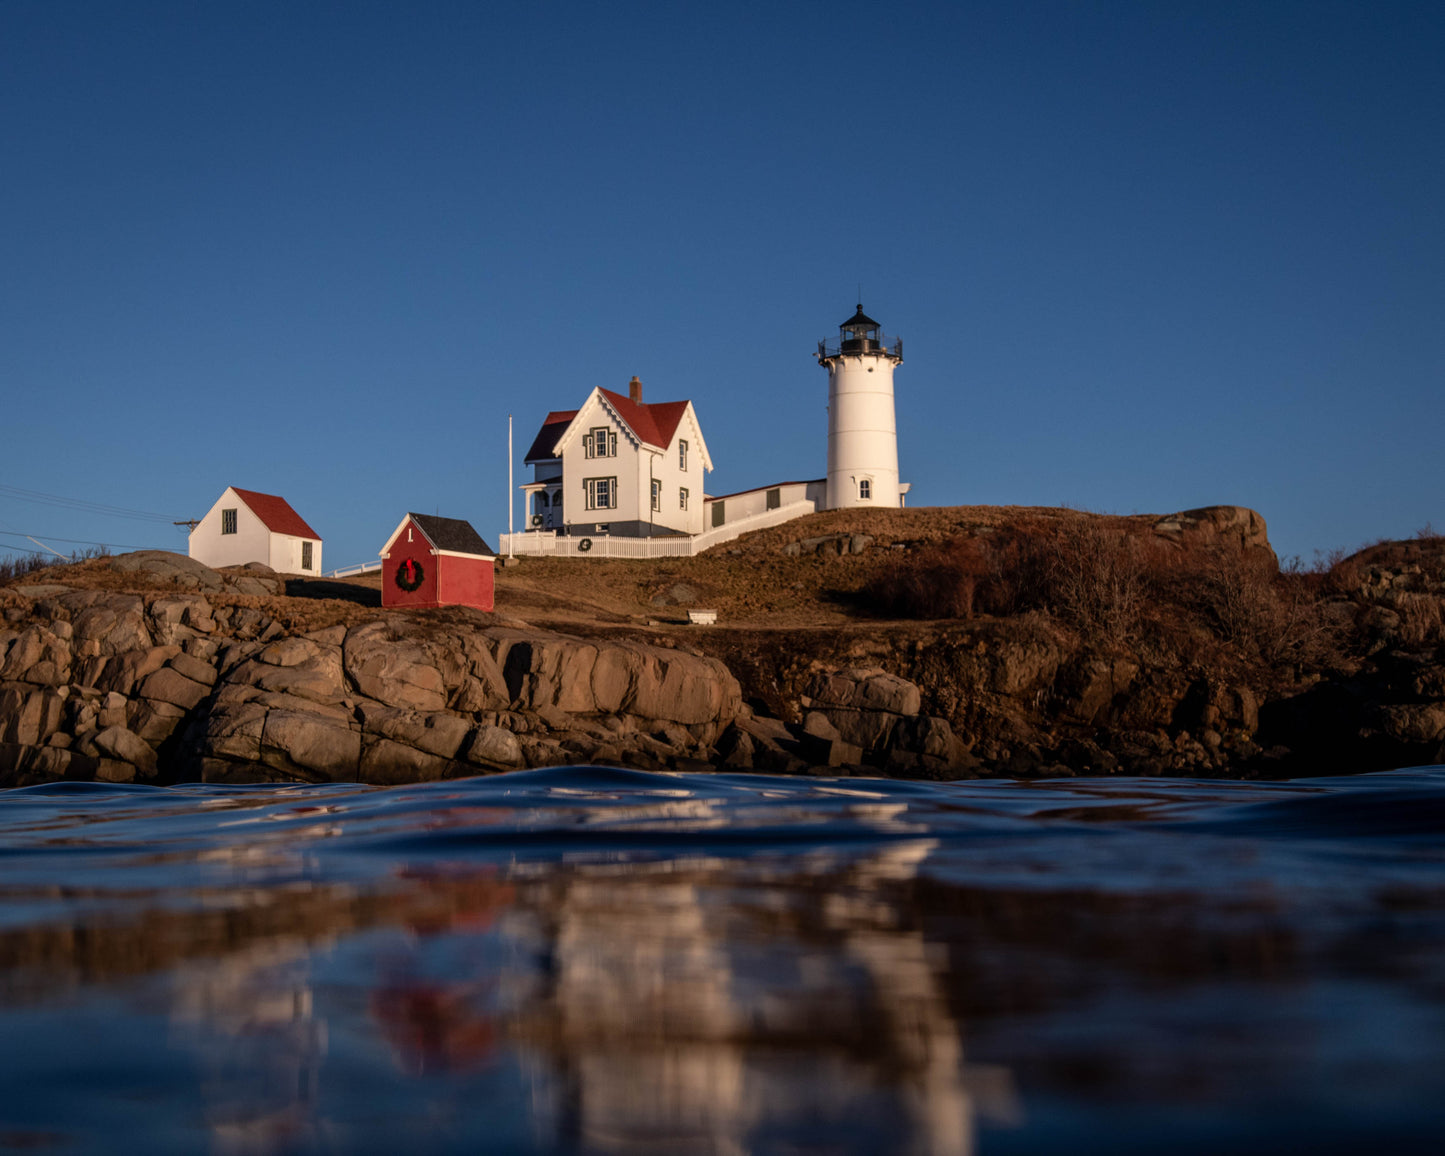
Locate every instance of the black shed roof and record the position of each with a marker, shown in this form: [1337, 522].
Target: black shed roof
[453, 534]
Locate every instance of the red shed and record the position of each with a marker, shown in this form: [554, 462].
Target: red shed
[433, 561]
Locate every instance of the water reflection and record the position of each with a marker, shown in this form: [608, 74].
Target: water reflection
[919, 974]
[680, 1006]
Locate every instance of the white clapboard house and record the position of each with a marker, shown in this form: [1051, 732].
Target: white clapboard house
[620, 467]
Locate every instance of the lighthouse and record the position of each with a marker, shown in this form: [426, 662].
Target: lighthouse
[862, 436]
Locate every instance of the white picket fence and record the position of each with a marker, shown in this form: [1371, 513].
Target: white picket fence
[351, 571]
[549, 544]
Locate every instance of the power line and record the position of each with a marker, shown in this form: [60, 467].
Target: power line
[44, 499]
[79, 541]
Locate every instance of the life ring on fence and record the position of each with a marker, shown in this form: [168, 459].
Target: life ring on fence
[584, 545]
[536, 519]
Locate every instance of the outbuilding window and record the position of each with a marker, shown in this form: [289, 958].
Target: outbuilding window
[228, 521]
[306, 555]
[601, 493]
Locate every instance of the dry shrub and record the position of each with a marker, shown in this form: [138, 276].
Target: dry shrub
[1262, 613]
[1082, 572]
[1422, 619]
[1113, 586]
[19, 566]
[941, 583]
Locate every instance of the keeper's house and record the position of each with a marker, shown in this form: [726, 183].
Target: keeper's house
[244, 526]
[431, 561]
[618, 466]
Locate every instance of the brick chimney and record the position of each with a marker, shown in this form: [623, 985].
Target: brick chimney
[634, 389]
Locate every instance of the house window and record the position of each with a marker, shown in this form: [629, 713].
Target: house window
[656, 494]
[306, 555]
[865, 490]
[600, 443]
[542, 499]
[682, 455]
[601, 493]
[682, 498]
[228, 521]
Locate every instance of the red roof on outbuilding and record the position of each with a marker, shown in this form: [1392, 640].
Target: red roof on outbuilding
[276, 514]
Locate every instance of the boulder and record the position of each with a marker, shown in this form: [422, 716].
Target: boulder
[385, 763]
[233, 731]
[193, 668]
[392, 669]
[169, 685]
[865, 688]
[113, 623]
[1412, 722]
[494, 746]
[121, 672]
[438, 734]
[153, 721]
[127, 747]
[319, 677]
[29, 715]
[177, 569]
[320, 747]
[38, 656]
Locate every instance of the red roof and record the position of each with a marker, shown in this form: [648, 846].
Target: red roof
[547, 436]
[276, 514]
[654, 422]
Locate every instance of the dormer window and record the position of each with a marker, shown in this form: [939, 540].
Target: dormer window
[600, 443]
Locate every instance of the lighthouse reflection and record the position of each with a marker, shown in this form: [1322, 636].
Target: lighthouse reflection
[688, 1010]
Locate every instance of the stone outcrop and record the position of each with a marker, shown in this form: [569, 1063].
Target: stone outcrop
[199, 680]
[176, 687]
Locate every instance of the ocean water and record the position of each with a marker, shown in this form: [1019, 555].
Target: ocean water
[599, 960]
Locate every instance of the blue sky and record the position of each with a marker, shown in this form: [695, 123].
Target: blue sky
[1143, 256]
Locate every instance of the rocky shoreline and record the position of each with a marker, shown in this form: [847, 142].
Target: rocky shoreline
[179, 673]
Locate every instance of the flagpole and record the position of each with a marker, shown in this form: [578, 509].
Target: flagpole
[511, 501]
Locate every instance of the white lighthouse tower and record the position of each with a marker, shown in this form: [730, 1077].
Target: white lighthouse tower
[862, 436]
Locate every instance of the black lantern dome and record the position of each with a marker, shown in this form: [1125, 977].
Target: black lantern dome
[860, 334]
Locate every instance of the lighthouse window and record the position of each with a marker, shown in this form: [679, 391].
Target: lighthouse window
[865, 490]
[601, 493]
[682, 455]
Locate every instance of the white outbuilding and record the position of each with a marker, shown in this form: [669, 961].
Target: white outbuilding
[245, 526]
